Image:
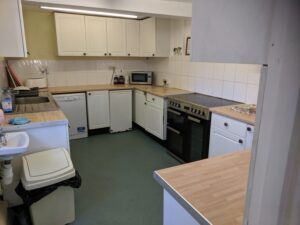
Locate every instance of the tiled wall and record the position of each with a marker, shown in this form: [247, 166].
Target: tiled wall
[75, 72]
[3, 78]
[231, 81]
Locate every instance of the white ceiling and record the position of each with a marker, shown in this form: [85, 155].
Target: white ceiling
[170, 8]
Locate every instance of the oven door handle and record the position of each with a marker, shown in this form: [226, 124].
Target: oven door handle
[174, 130]
[174, 112]
[194, 119]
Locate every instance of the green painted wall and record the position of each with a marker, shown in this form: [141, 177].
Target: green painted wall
[40, 34]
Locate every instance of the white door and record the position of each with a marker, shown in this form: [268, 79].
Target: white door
[116, 37]
[96, 36]
[222, 143]
[98, 109]
[148, 37]
[133, 37]
[140, 108]
[120, 110]
[70, 33]
[154, 120]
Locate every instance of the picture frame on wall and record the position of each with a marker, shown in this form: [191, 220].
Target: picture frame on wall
[188, 46]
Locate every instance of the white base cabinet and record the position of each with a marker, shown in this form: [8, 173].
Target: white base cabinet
[98, 109]
[175, 214]
[120, 110]
[228, 135]
[150, 113]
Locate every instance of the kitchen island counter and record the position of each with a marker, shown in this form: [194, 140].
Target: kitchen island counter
[212, 191]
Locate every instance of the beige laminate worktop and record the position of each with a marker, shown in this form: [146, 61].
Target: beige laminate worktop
[155, 90]
[213, 188]
[37, 118]
[227, 111]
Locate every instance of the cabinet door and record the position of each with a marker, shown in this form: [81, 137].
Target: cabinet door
[96, 36]
[148, 37]
[155, 120]
[116, 37]
[232, 31]
[249, 136]
[140, 108]
[12, 37]
[98, 109]
[70, 33]
[133, 37]
[223, 143]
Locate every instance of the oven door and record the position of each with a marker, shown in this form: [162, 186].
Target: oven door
[176, 127]
[198, 138]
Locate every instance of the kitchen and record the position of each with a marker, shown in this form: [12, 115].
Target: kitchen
[159, 44]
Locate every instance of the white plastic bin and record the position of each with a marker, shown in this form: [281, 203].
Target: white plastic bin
[43, 169]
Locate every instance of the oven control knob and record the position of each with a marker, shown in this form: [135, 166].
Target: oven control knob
[199, 112]
[203, 114]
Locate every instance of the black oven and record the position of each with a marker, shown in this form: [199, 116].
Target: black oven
[187, 136]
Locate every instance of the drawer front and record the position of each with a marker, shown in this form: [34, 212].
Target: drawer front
[155, 100]
[229, 125]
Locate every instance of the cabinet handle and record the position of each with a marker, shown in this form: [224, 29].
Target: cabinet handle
[128, 54]
[153, 54]
[109, 53]
[89, 93]
[226, 124]
[105, 54]
[153, 99]
[145, 103]
[249, 129]
[241, 141]
[84, 54]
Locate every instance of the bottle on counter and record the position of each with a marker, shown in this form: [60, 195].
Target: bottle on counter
[7, 101]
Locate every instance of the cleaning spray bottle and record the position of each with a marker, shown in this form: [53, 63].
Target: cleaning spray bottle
[7, 101]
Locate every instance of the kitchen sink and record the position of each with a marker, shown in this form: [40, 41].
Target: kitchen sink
[32, 100]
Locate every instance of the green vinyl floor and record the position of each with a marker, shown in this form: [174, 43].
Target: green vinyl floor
[117, 183]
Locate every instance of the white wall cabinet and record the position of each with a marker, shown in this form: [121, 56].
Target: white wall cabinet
[96, 36]
[12, 37]
[228, 135]
[150, 113]
[116, 37]
[98, 109]
[133, 37]
[155, 37]
[70, 33]
[232, 31]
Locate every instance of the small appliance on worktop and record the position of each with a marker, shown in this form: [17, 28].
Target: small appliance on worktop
[188, 125]
[141, 77]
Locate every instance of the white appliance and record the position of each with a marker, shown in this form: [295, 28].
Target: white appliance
[120, 110]
[74, 107]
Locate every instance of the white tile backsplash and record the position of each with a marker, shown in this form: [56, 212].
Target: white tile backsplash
[3, 77]
[228, 90]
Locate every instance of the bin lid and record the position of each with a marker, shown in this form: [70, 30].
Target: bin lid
[45, 168]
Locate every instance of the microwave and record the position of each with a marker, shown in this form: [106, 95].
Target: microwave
[142, 77]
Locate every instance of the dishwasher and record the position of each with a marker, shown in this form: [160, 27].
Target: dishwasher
[74, 108]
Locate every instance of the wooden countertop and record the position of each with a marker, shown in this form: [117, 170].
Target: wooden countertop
[227, 111]
[155, 90]
[213, 188]
[36, 118]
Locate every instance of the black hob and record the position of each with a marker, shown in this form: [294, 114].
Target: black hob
[197, 104]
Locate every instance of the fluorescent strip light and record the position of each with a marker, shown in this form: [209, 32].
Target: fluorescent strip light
[90, 12]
